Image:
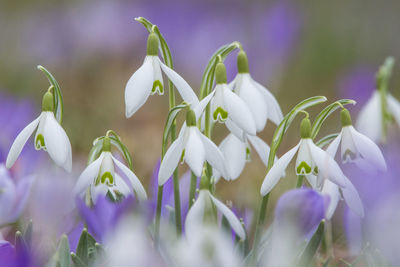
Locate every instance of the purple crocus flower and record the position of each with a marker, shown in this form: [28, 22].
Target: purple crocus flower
[13, 196]
[12, 257]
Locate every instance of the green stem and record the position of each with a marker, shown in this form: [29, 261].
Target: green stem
[158, 213]
[300, 179]
[192, 191]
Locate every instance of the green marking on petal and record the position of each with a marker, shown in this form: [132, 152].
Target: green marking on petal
[107, 176]
[315, 171]
[248, 154]
[303, 168]
[157, 88]
[349, 155]
[220, 114]
[182, 156]
[39, 142]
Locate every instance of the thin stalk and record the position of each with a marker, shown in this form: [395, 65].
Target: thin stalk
[300, 179]
[192, 190]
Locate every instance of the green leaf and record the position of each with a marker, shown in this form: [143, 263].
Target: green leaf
[326, 140]
[115, 141]
[58, 99]
[312, 246]
[63, 252]
[324, 114]
[86, 249]
[168, 125]
[77, 261]
[287, 120]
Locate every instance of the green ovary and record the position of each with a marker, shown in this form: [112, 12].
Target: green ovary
[220, 114]
[157, 84]
[303, 168]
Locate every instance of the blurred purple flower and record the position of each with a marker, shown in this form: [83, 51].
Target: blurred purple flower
[104, 216]
[301, 210]
[13, 196]
[12, 257]
[353, 230]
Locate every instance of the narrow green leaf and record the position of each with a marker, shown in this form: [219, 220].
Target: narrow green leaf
[312, 246]
[324, 114]
[58, 99]
[326, 140]
[168, 125]
[86, 247]
[64, 252]
[77, 261]
[123, 149]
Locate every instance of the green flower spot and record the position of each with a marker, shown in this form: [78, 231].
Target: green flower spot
[39, 142]
[248, 156]
[303, 168]
[182, 156]
[107, 178]
[157, 88]
[315, 171]
[348, 154]
[220, 114]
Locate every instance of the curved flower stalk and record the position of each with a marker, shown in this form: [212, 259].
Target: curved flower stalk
[13, 196]
[261, 102]
[202, 213]
[311, 160]
[147, 80]
[100, 176]
[237, 153]
[356, 147]
[194, 148]
[381, 108]
[50, 136]
[227, 106]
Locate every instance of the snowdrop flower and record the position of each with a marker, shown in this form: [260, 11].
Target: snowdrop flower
[237, 153]
[194, 148]
[227, 106]
[147, 80]
[356, 147]
[261, 102]
[102, 178]
[50, 136]
[202, 213]
[13, 196]
[310, 160]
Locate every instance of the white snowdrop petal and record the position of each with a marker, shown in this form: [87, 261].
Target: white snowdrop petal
[181, 85]
[195, 215]
[275, 173]
[139, 87]
[394, 108]
[332, 190]
[195, 153]
[274, 110]
[136, 184]
[170, 160]
[234, 152]
[230, 216]
[89, 175]
[352, 198]
[20, 141]
[57, 142]
[327, 166]
[334, 145]
[157, 75]
[238, 111]
[121, 185]
[369, 120]
[368, 150]
[261, 148]
[234, 129]
[199, 108]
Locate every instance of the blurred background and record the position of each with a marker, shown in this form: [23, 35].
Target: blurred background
[296, 49]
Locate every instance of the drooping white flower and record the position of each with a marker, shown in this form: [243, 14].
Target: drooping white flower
[50, 136]
[261, 102]
[237, 153]
[311, 160]
[201, 213]
[370, 118]
[101, 177]
[147, 80]
[356, 147]
[228, 106]
[194, 148]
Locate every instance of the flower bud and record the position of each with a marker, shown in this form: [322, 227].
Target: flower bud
[305, 128]
[106, 144]
[190, 118]
[220, 73]
[242, 62]
[152, 44]
[48, 102]
[345, 118]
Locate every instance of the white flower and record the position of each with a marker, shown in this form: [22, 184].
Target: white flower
[356, 147]
[311, 160]
[237, 152]
[261, 102]
[202, 206]
[50, 136]
[101, 177]
[370, 118]
[147, 80]
[194, 148]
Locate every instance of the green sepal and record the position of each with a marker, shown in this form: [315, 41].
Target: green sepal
[345, 118]
[305, 128]
[242, 62]
[86, 249]
[221, 113]
[326, 112]
[220, 73]
[62, 257]
[312, 246]
[190, 118]
[56, 90]
[152, 44]
[48, 102]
